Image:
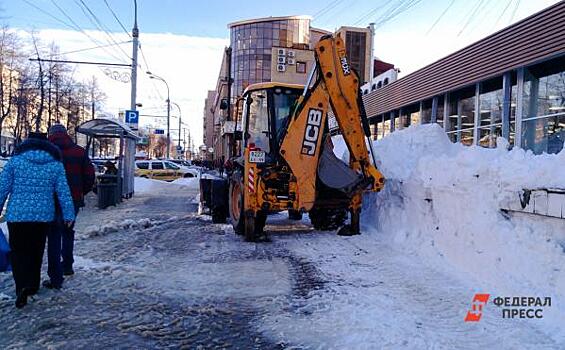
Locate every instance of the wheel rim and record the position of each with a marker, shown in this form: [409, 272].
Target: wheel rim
[236, 199]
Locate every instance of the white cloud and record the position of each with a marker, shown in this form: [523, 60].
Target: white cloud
[189, 64]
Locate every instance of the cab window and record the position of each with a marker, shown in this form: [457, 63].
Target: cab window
[258, 120]
[284, 103]
[157, 166]
[142, 165]
[172, 166]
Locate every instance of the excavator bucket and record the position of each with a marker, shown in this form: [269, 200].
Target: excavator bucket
[334, 173]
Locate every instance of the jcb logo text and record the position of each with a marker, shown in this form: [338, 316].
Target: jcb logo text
[312, 132]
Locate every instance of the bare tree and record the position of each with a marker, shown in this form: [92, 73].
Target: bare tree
[40, 82]
[8, 75]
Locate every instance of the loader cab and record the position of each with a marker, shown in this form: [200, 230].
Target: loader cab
[266, 109]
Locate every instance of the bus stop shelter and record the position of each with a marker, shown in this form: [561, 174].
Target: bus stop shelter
[112, 128]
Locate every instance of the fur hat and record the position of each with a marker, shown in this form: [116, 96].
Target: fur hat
[57, 128]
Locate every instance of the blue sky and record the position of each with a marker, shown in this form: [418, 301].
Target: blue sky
[183, 40]
[209, 18]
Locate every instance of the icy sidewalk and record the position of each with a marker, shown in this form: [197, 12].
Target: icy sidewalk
[376, 296]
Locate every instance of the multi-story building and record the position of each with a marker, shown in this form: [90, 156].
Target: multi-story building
[208, 122]
[273, 49]
[252, 43]
[359, 48]
[382, 78]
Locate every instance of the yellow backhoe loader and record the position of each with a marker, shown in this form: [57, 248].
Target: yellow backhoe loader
[286, 159]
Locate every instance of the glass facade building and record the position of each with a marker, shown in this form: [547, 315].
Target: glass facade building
[252, 42]
[511, 84]
[532, 96]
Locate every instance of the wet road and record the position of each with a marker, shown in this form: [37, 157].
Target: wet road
[173, 281]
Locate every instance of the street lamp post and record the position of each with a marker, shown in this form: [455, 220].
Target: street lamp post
[153, 76]
[180, 121]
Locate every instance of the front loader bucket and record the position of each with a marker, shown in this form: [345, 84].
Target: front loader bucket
[335, 174]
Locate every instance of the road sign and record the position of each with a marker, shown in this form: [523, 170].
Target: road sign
[132, 117]
[159, 132]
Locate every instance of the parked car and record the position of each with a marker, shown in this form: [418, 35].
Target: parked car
[186, 163]
[162, 170]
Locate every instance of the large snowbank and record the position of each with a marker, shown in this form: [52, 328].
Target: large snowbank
[442, 202]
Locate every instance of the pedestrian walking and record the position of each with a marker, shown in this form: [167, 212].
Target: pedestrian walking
[33, 179]
[80, 178]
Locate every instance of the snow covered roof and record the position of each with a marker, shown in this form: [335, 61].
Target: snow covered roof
[104, 127]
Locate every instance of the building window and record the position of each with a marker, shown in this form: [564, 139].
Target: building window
[426, 113]
[300, 67]
[543, 128]
[462, 116]
[373, 87]
[379, 85]
[491, 102]
[385, 82]
[440, 110]
[355, 46]
[398, 121]
[386, 126]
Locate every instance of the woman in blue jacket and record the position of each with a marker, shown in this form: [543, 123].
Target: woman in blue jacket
[31, 179]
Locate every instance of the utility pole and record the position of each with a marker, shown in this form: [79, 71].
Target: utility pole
[180, 121]
[153, 76]
[135, 37]
[184, 143]
[168, 126]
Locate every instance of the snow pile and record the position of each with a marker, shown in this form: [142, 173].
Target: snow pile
[150, 186]
[442, 202]
[191, 182]
[115, 226]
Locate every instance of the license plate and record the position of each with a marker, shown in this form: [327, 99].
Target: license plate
[257, 157]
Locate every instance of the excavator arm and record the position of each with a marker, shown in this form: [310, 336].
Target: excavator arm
[306, 146]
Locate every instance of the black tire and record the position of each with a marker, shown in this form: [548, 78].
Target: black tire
[327, 219]
[254, 226]
[294, 215]
[219, 215]
[237, 216]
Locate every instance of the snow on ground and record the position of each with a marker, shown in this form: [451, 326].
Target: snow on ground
[150, 186]
[442, 203]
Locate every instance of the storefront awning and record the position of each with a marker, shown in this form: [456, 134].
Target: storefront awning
[102, 127]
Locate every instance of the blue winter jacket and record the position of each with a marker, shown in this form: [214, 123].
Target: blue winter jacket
[32, 178]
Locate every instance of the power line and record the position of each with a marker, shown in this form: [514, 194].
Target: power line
[75, 26]
[470, 18]
[441, 16]
[325, 9]
[49, 14]
[371, 13]
[116, 18]
[502, 14]
[97, 23]
[394, 11]
[148, 70]
[80, 62]
[91, 48]
[514, 12]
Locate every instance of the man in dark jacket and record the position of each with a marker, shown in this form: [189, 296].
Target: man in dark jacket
[80, 177]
